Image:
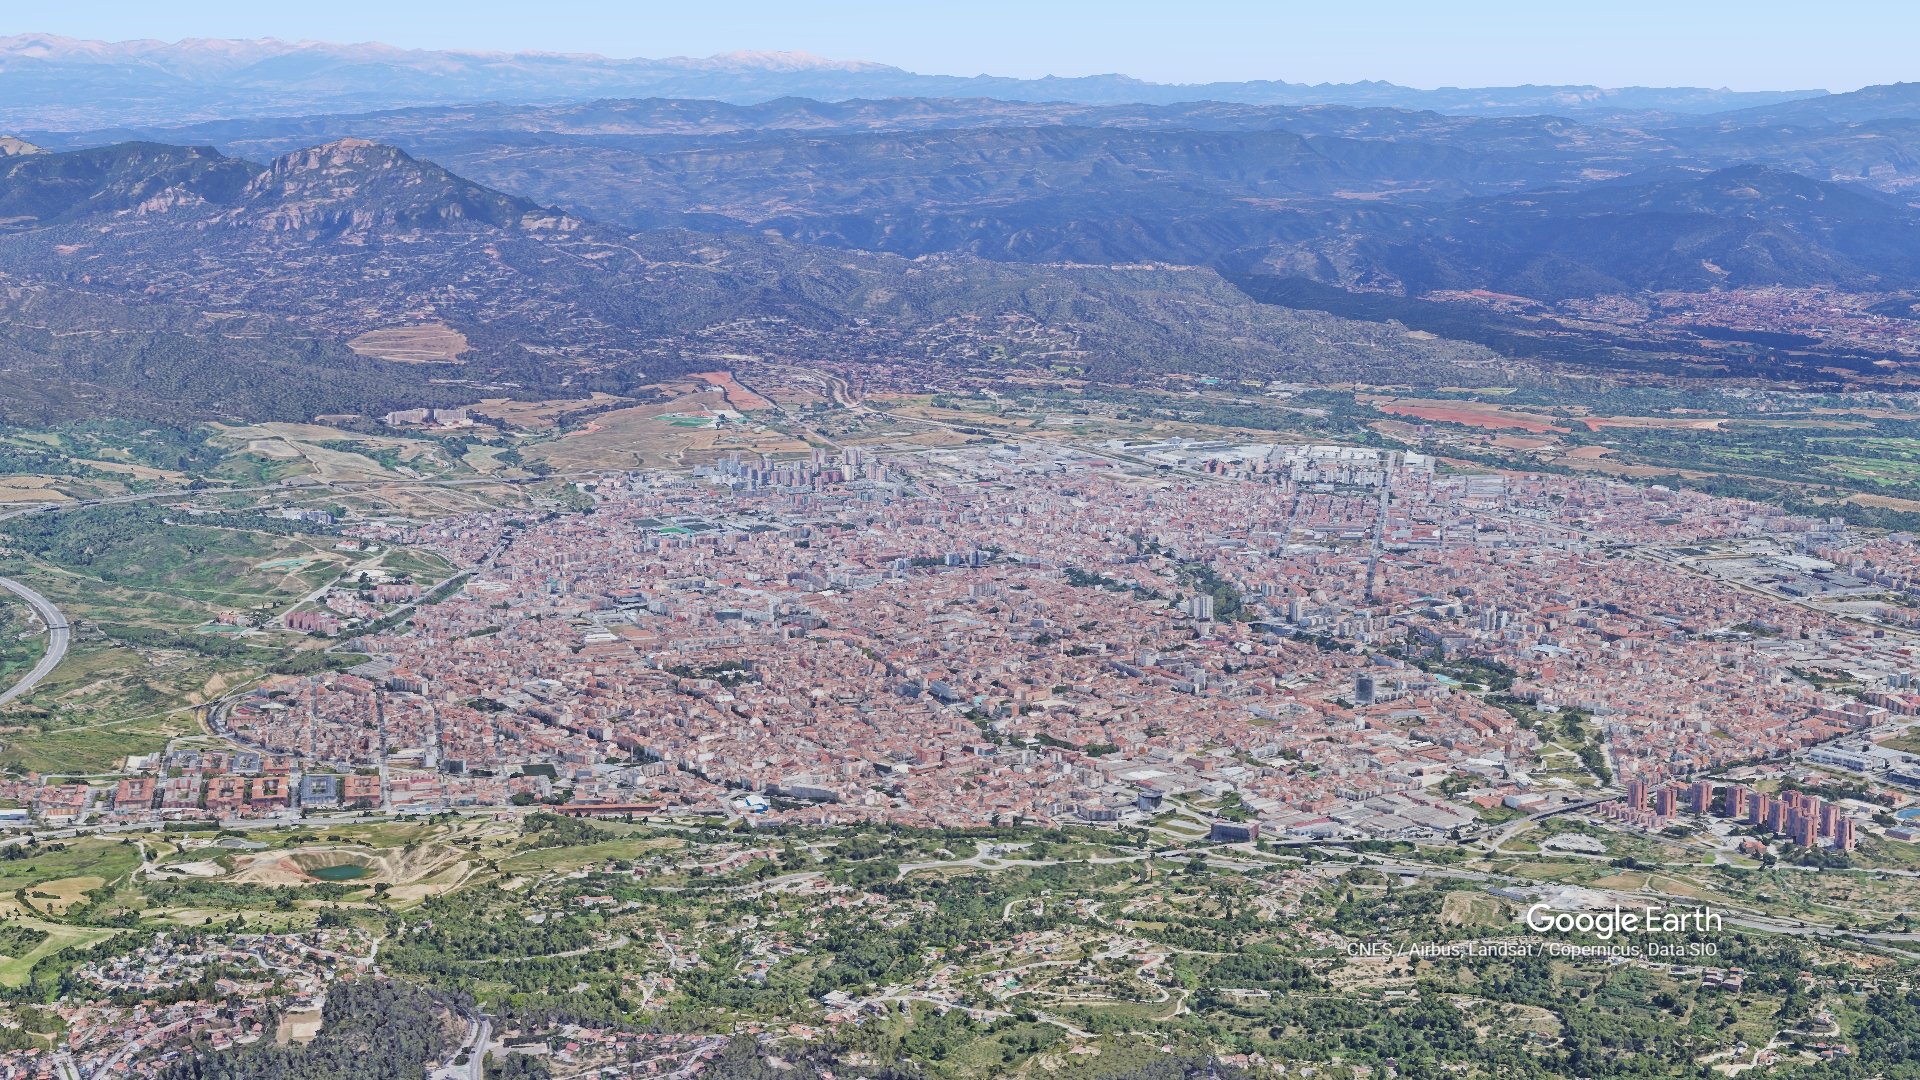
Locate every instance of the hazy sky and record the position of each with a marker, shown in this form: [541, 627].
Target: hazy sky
[1755, 44]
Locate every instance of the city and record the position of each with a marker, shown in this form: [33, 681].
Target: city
[1337, 643]
[1044, 541]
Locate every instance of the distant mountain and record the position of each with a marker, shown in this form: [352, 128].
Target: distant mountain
[1004, 180]
[1363, 198]
[1672, 229]
[38, 190]
[257, 266]
[52, 82]
[474, 133]
[353, 186]
[1003, 192]
[1384, 199]
[1894, 101]
[884, 173]
[1744, 226]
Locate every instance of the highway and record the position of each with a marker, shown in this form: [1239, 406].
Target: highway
[58, 635]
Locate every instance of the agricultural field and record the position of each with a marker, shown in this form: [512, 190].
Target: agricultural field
[427, 343]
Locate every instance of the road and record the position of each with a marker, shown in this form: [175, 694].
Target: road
[475, 1049]
[58, 636]
[477, 1060]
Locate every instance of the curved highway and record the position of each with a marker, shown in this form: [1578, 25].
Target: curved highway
[58, 634]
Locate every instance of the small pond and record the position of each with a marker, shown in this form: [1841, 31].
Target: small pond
[340, 872]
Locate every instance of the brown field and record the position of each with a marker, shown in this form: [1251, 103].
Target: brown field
[796, 395]
[931, 438]
[645, 436]
[411, 873]
[737, 397]
[1886, 501]
[29, 489]
[782, 385]
[1471, 414]
[139, 472]
[428, 343]
[1494, 416]
[1396, 429]
[1877, 414]
[892, 428]
[68, 892]
[299, 1028]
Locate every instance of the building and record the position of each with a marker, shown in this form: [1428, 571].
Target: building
[1664, 802]
[319, 791]
[427, 418]
[135, 793]
[268, 792]
[1736, 802]
[1234, 832]
[180, 796]
[1803, 828]
[1700, 797]
[226, 794]
[311, 622]
[360, 791]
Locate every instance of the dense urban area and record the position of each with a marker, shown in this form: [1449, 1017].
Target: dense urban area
[1360, 712]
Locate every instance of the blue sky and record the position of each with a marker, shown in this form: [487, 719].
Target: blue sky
[1757, 44]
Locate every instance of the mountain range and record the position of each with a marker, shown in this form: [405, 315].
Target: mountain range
[58, 82]
[1372, 198]
[607, 242]
[176, 279]
[1673, 230]
[184, 252]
